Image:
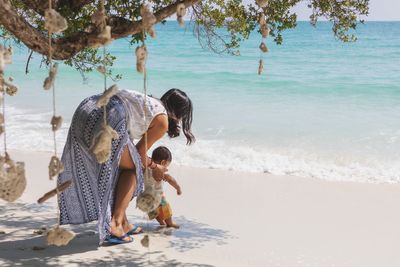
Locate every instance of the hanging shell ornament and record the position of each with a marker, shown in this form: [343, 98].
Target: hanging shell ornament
[262, 3]
[180, 13]
[141, 56]
[263, 47]
[105, 35]
[54, 22]
[264, 30]
[103, 142]
[150, 198]
[55, 167]
[260, 67]
[262, 20]
[5, 56]
[102, 69]
[59, 236]
[152, 32]
[56, 122]
[99, 17]
[106, 96]
[148, 19]
[11, 89]
[12, 179]
[145, 241]
[49, 81]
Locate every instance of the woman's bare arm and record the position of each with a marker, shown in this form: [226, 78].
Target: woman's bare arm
[158, 127]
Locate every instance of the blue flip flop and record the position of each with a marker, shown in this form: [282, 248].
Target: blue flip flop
[115, 240]
[133, 231]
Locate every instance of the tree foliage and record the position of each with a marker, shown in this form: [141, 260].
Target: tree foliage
[220, 25]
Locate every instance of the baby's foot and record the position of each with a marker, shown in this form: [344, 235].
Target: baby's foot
[173, 225]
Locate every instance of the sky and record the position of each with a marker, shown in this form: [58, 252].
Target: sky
[379, 10]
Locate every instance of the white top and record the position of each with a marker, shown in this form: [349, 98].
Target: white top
[134, 108]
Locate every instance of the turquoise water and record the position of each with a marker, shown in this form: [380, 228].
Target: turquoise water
[321, 109]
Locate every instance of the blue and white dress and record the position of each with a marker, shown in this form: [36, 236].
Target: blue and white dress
[91, 195]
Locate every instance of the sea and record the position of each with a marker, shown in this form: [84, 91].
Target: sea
[322, 108]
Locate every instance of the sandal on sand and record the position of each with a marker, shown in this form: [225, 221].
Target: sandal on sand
[135, 231]
[115, 240]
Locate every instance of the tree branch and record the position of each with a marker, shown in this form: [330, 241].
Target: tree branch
[40, 5]
[66, 47]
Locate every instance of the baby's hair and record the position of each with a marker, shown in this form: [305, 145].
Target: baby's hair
[161, 153]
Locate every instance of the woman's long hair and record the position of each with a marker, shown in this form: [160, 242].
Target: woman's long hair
[180, 109]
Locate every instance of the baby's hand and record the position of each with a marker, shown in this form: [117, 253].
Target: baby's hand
[179, 192]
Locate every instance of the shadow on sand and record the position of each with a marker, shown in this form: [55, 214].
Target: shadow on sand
[21, 247]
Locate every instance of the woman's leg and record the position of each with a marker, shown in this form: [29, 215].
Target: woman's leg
[125, 187]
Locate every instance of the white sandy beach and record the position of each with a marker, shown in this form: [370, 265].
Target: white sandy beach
[227, 218]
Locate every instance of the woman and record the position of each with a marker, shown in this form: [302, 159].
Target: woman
[103, 191]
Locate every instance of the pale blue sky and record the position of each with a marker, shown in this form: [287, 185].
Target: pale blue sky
[379, 10]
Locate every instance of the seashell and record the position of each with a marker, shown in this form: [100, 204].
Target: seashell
[11, 89]
[264, 30]
[262, 3]
[262, 20]
[59, 236]
[105, 35]
[103, 142]
[145, 241]
[148, 18]
[263, 47]
[180, 13]
[54, 22]
[102, 69]
[55, 167]
[56, 122]
[106, 96]
[12, 179]
[141, 56]
[152, 33]
[49, 81]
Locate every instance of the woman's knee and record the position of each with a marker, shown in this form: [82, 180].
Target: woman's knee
[130, 175]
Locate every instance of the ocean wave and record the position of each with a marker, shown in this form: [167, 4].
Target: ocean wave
[28, 130]
[221, 155]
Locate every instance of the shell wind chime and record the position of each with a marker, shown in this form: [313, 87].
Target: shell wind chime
[12, 174]
[264, 30]
[103, 140]
[146, 198]
[55, 23]
[180, 13]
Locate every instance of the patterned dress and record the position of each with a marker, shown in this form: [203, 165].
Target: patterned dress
[91, 195]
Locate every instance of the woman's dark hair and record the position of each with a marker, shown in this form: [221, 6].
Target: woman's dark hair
[161, 153]
[180, 109]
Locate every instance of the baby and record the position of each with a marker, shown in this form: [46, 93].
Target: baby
[163, 214]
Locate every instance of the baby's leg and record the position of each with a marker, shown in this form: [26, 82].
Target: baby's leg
[170, 223]
[160, 221]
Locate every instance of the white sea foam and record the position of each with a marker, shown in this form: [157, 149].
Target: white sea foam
[30, 130]
[220, 155]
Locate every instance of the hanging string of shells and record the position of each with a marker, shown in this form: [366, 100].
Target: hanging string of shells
[264, 30]
[12, 174]
[103, 140]
[55, 23]
[146, 198]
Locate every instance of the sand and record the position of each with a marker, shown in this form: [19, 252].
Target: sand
[227, 219]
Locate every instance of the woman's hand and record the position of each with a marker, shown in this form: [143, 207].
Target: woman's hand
[159, 172]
